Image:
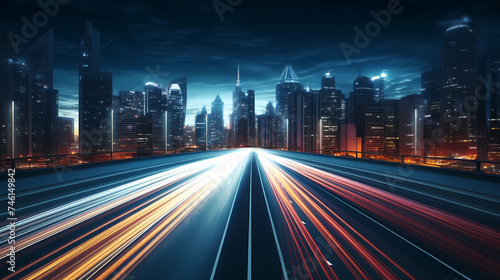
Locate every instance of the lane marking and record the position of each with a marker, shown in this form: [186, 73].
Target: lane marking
[391, 231]
[408, 189]
[285, 274]
[416, 181]
[428, 184]
[249, 266]
[227, 226]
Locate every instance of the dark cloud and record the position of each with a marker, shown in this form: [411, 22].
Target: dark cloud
[187, 38]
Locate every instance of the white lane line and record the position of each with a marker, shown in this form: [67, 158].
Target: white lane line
[391, 231]
[333, 170]
[225, 229]
[402, 178]
[249, 266]
[428, 184]
[285, 274]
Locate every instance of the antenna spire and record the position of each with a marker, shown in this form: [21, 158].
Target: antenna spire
[238, 81]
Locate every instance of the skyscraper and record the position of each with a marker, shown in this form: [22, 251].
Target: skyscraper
[216, 124]
[306, 129]
[391, 126]
[15, 113]
[362, 95]
[367, 121]
[378, 87]
[430, 92]
[286, 86]
[66, 135]
[182, 83]
[133, 128]
[287, 89]
[238, 110]
[411, 125]
[374, 128]
[267, 128]
[349, 142]
[457, 89]
[493, 109]
[175, 118]
[201, 130]
[330, 113]
[95, 96]
[90, 60]
[190, 136]
[156, 112]
[243, 116]
[44, 99]
[432, 118]
[252, 129]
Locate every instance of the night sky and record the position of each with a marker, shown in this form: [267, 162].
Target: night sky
[187, 38]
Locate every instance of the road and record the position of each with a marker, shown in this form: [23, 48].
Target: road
[253, 214]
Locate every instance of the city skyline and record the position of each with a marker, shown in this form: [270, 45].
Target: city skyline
[238, 139]
[182, 48]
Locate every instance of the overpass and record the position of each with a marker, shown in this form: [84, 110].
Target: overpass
[252, 214]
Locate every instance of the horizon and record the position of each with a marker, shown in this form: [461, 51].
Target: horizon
[170, 46]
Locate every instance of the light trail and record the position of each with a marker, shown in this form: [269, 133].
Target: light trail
[124, 241]
[474, 243]
[286, 190]
[324, 226]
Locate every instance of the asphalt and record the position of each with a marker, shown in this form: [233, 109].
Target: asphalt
[253, 214]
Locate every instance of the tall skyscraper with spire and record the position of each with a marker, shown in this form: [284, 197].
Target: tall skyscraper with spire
[243, 116]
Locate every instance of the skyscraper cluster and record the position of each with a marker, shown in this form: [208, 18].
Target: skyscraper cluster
[149, 120]
[29, 120]
[456, 114]
[241, 131]
[242, 118]
[461, 96]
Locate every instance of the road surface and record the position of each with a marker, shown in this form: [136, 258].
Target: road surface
[252, 214]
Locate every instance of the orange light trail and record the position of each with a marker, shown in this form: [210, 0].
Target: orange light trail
[476, 244]
[285, 188]
[124, 241]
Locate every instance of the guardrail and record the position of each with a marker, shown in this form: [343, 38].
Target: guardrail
[480, 166]
[56, 161]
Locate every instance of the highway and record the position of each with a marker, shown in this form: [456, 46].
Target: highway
[253, 214]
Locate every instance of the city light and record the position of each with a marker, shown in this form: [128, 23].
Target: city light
[175, 140]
